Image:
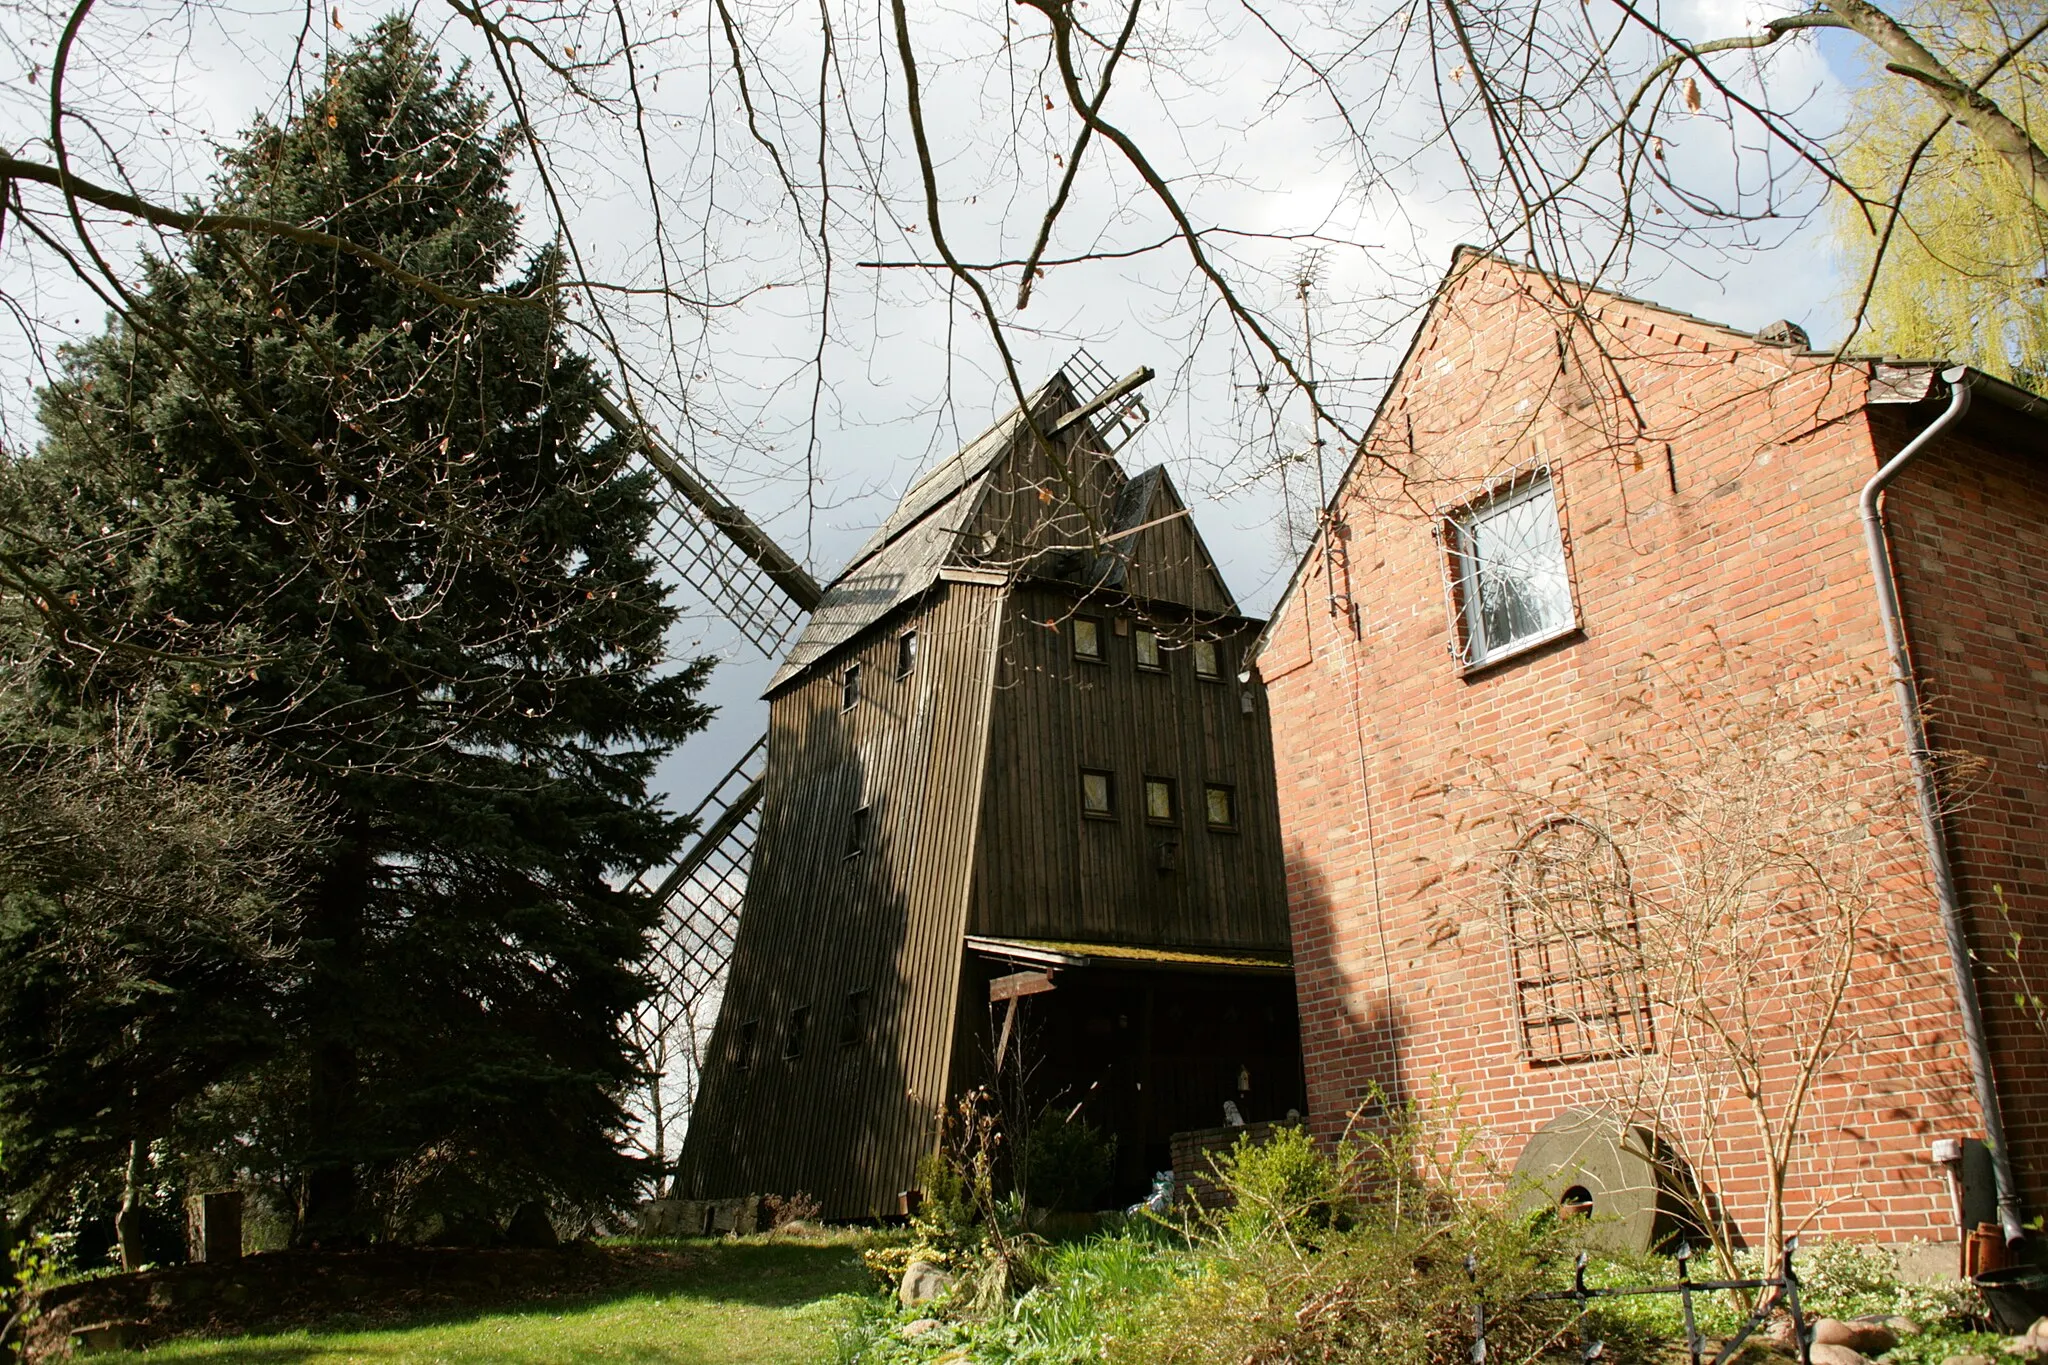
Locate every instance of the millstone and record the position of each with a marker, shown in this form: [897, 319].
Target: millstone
[1585, 1162]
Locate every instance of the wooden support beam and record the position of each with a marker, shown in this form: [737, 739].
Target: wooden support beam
[1019, 983]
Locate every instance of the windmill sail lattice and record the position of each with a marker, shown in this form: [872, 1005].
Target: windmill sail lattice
[721, 554]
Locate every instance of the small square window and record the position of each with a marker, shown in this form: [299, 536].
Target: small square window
[1208, 659]
[906, 653]
[849, 688]
[857, 833]
[1149, 657]
[853, 1019]
[1098, 793]
[793, 1036]
[1088, 638]
[743, 1044]
[1159, 800]
[1508, 571]
[1221, 806]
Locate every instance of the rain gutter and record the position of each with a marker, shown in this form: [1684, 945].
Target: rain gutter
[1927, 794]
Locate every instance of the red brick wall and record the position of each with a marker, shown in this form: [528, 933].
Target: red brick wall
[1969, 527]
[1707, 486]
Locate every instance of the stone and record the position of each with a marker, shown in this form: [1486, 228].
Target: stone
[1832, 1354]
[922, 1282]
[911, 1331]
[1904, 1327]
[1972, 1359]
[104, 1337]
[1867, 1336]
[2033, 1344]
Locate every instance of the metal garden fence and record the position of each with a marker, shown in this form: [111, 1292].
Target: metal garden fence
[1785, 1282]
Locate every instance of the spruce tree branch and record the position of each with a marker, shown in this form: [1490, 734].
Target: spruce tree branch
[203, 221]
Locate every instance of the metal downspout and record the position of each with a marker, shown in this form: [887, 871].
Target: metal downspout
[1929, 799]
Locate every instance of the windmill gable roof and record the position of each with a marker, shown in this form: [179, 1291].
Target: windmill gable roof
[903, 557]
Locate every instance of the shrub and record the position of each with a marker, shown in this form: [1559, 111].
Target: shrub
[1067, 1161]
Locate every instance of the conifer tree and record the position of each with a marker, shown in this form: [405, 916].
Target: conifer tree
[354, 518]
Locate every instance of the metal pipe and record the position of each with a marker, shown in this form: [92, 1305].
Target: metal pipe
[1928, 796]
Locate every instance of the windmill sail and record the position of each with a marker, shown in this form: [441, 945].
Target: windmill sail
[716, 548]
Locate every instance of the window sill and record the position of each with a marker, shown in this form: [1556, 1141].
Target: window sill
[1515, 653]
[1223, 829]
[1106, 817]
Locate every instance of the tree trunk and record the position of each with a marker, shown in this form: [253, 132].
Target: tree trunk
[329, 1215]
[128, 1223]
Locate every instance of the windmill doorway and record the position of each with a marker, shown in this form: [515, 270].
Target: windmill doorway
[1136, 1043]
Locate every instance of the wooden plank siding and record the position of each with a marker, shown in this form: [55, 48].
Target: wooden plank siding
[1044, 870]
[849, 1122]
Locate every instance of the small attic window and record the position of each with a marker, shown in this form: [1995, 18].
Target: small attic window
[1088, 639]
[1149, 657]
[1159, 805]
[853, 1019]
[793, 1036]
[1098, 794]
[1220, 804]
[857, 833]
[1208, 660]
[743, 1045]
[906, 653]
[849, 688]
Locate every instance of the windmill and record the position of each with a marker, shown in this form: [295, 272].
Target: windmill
[724, 557]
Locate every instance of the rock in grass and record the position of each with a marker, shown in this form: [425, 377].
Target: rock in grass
[1971, 1359]
[1831, 1354]
[911, 1331]
[1867, 1336]
[922, 1282]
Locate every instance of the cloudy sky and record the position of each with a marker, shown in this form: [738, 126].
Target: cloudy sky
[906, 370]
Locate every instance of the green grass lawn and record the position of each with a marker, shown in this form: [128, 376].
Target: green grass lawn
[743, 1302]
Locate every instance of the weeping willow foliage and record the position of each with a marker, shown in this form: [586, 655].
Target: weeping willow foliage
[1961, 277]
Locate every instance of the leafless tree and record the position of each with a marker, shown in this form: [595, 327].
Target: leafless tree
[1689, 907]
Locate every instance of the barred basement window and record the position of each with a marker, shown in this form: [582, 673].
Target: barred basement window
[1575, 947]
[1508, 573]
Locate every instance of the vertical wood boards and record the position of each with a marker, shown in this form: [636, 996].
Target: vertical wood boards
[846, 1119]
[1045, 870]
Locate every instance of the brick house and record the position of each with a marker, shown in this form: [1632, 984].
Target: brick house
[1563, 491]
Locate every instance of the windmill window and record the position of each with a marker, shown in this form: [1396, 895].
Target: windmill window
[849, 688]
[1208, 660]
[1220, 804]
[1508, 572]
[1159, 806]
[906, 653]
[853, 1019]
[857, 833]
[1575, 947]
[1149, 657]
[793, 1036]
[1088, 639]
[743, 1044]
[1098, 794]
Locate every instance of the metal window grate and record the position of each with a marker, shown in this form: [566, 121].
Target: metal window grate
[1575, 947]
